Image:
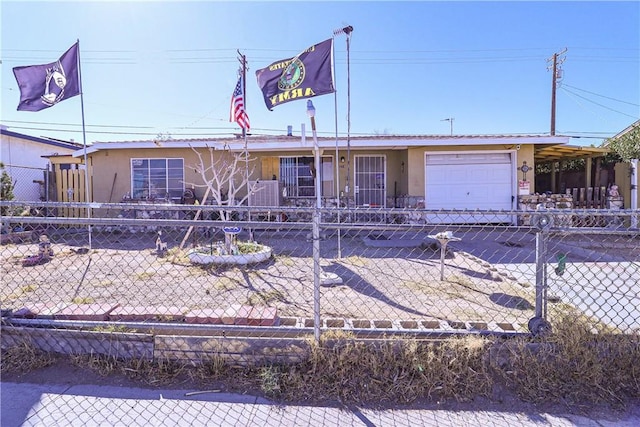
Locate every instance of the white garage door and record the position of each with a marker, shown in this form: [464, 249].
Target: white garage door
[469, 181]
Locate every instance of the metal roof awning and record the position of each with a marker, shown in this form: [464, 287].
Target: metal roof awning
[544, 153]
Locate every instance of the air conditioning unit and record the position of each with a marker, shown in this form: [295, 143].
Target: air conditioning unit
[265, 193]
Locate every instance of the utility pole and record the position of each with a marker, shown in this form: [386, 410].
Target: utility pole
[556, 61]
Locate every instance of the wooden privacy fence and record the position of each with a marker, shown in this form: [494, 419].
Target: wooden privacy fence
[71, 187]
[589, 198]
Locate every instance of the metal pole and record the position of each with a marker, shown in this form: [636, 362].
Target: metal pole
[634, 193]
[540, 274]
[347, 30]
[84, 140]
[553, 94]
[335, 110]
[443, 251]
[243, 70]
[316, 227]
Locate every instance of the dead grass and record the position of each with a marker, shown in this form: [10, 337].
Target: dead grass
[265, 297]
[577, 364]
[574, 365]
[24, 357]
[83, 300]
[356, 261]
[387, 372]
[226, 283]
[156, 373]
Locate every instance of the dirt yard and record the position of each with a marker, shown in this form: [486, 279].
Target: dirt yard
[379, 282]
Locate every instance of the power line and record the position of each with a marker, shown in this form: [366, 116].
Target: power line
[598, 104]
[73, 124]
[132, 57]
[602, 96]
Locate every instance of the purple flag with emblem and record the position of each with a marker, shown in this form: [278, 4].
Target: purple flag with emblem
[304, 76]
[42, 86]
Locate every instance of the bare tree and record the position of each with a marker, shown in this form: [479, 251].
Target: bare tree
[225, 175]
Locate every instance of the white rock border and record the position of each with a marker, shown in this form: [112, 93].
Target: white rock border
[244, 259]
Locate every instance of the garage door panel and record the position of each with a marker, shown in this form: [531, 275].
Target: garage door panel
[469, 181]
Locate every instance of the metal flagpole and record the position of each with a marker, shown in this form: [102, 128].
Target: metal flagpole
[347, 30]
[335, 110]
[317, 270]
[84, 141]
[243, 62]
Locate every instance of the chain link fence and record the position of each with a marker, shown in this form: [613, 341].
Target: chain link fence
[165, 284]
[27, 183]
[372, 272]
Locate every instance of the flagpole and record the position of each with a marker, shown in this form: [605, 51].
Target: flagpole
[345, 30]
[243, 62]
[84, 143]
[335, 110]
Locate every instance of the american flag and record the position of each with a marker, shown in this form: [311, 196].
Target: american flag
[238, 114]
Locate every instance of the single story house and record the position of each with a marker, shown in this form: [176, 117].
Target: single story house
[432, 172]
[26, 159]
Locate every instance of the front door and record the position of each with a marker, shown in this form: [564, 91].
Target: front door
[370, 178]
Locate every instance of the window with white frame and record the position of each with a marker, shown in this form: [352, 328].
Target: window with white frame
[297, 175]
[157, 178]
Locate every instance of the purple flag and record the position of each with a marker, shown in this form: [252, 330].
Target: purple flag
[42, 86]
[304, 76]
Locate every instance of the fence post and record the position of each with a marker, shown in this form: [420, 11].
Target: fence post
[541, 276]
[633, 176]
[539, 324]
[316, 273]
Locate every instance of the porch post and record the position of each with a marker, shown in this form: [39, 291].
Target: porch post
[561, 167]
[587, 172]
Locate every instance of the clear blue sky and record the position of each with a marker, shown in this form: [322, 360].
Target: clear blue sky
[170, 67]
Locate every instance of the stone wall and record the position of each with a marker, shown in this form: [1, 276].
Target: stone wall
[545, 201]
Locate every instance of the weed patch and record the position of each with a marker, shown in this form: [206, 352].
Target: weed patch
[24, 357]
[577, 364]
[574, 366]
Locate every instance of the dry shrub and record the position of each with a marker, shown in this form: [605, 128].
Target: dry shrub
[392, 371]
[24, 357]
[576, 364]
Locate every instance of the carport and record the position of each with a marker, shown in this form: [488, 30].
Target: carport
[556, 155]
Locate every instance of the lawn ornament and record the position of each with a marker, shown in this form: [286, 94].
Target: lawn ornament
[45, 252]
[161, 247]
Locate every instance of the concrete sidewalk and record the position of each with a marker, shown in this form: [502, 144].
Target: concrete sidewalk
[25, 404]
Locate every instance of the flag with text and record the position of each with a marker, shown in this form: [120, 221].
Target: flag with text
[307, 75]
